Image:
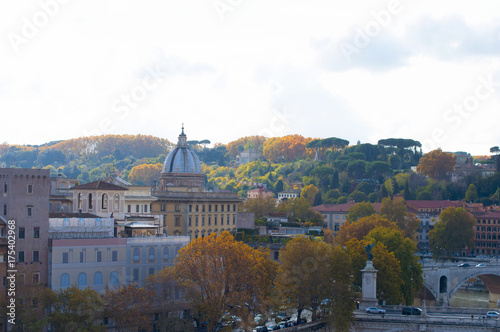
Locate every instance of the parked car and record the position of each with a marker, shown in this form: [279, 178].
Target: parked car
[273, 327]
[481, 265]
[260, 329]
[492, 314]
[375, 310]
[463, 265]
[411, 311]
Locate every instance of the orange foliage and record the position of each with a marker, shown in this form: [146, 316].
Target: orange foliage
[287, 148]
[140, 146]
[360, 228]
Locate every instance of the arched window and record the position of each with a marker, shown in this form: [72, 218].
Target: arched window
[82, 279]
[98, 278]
[113, 278]
[165, 253]
[79, 200]
[91, 205]
[65, 280]
[151, 254]
[104, 201]
[117, 202]
[137, 254]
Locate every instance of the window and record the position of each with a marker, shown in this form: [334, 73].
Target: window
[228, 208]
[137, 208]
[65, 258]
[99, 256]
[4, 210]
[163, 207]
[65, 280]
[276, 255]
[36, 256]
[113, 278]
[196, 207]
[151, 270]
[190, 208]
[82, 279]
[145, 208]
[81, 257]
[151, 254]
[209, 207]
[215, 220]
[30, 189]
[222, 208]
[117, 202]
[234, 207]
[177, 221]
[21, 232]
[165, 253]
[222, 219]
[196, 221]
[137, 254]
[29, 211]
[227, 220]
[216, 206]
[98, 278]
[177, 208]
[104, 201]
[114, 255]
[79, 200]
[20, 256]
[5, 187]
[209, 220]
[189, 221]
[203, 220]
[91, 202]
[136, 275]
[203, 208]
[234, 219]
[36, 232]
[129, 208]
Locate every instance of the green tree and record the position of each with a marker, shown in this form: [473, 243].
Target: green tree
[309, 193]
[360, 210]
[471, 193]
[452, 233]
[75, 309]
[395, 210]
[389, 281]
[342, 294]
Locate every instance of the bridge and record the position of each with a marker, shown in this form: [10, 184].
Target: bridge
[443, 281]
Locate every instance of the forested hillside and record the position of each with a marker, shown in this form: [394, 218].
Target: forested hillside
[334, 169]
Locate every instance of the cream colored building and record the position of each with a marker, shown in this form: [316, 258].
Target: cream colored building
[100, 198]
[184, 207]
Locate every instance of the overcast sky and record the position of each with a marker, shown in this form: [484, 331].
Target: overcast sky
[359, 70]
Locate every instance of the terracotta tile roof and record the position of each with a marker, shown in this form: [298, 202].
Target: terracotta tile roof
[489, 215]
[423, 204]
[99, 185]
[323, 208]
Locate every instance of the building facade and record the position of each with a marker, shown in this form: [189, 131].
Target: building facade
[183, 206]
[25, 199]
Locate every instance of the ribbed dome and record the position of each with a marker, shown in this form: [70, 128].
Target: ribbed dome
[182, 159]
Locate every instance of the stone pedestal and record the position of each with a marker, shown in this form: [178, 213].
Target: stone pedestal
[369, 286]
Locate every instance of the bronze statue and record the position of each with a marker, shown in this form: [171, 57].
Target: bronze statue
[368, 249]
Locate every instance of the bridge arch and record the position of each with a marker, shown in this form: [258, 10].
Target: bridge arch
[489, 278]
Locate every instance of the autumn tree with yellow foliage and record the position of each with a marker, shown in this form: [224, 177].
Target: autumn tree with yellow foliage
[436, 164]
[221, 276]
[145, 174]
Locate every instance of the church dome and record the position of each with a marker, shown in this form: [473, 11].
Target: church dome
[182, 159]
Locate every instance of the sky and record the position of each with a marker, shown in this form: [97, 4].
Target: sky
[360, 70]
